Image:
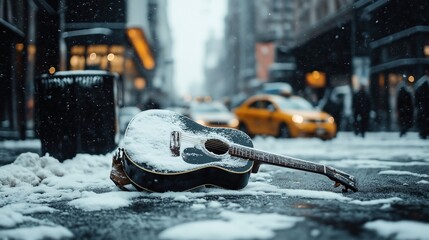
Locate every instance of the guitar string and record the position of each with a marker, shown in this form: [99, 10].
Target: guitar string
[216, 145]
[213, 145]
[220, 146]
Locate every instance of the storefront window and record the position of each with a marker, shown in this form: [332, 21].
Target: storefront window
[100, 57]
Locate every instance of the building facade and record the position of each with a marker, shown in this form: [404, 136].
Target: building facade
[17, 62]
[329, 49]
[362, 43]
[398, 50]
[128, 37]
[274, 34]
[239, 46]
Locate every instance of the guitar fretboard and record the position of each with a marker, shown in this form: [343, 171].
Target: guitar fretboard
[274, 159]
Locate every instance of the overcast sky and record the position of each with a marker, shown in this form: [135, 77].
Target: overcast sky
[191, 22]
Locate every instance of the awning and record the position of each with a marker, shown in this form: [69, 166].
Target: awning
[142, 48]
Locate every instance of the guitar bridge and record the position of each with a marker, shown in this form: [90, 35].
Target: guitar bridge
[175, 143]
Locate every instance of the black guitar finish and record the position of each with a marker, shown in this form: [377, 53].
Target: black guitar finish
[205, 171]
[206, 160]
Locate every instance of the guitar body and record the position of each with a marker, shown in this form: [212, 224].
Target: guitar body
[150, 164]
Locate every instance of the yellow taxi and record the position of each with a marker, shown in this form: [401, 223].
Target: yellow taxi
[284, 117]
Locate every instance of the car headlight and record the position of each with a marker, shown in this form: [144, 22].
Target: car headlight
[297, 119]
[233, 122]
[331, 120]
[201, 122]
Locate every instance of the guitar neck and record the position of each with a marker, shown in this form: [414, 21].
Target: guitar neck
[275, 159]
[219, 147]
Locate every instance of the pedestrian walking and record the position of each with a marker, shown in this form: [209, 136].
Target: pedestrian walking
[421, 96]
[361, 110]
[334, 106]
[151, 103]
[404, 108]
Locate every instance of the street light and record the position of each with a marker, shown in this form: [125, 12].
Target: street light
[139, 83]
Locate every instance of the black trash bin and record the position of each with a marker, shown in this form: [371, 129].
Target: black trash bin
[77, 113]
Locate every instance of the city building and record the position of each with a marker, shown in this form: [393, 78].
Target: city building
[328, 49]
[362, 43]
[128, 37]
[398, 33]
[240, 47]
[256, 35]
[215, 83]
[17, 58]
[274, 34]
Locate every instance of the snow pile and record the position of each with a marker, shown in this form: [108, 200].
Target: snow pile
[31, 183]
[39, 232]
[14, 214]
[232, 225]
[396, 172]
[104, 201]
[29, 170]
[400, 229]
[45, 179]
[387, 201]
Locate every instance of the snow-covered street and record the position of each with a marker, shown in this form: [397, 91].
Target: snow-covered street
[41, 197]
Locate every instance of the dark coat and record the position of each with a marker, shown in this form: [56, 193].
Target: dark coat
[361, 104]
[361, 111]
[405, 108]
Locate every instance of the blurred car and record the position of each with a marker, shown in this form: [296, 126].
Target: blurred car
[278, 88]
[284, 117]
[181, 110]
[212, 114]
[125, 116]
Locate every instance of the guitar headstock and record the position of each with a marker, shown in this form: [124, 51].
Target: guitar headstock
[342, 178]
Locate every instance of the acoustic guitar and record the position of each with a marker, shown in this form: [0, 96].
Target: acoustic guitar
[165, 151]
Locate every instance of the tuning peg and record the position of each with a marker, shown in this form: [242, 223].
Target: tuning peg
[337, 184]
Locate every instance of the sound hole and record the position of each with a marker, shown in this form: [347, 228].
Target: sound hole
[216, 146]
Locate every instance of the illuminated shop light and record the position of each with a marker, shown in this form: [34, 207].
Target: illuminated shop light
[426, 50]
[139, 83]
[316, 79]
[19, 47]
[142, 47]
[52, 70]
[92, 56]
[110, 57]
